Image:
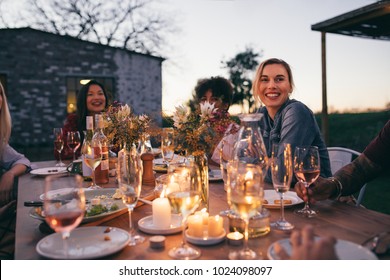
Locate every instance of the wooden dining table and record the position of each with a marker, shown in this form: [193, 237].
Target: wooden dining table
[343, 221]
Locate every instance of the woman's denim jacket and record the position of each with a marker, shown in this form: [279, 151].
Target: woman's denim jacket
[294, 123]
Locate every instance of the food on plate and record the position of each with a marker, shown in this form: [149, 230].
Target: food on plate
[117, 194]
[285, 201]
[107, 238]
[100, 209]
[265, 201]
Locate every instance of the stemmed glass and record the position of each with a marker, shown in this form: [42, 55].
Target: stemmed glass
[58, 144]
[167, 145]
[282, 173]
[307, 170]
[73, 142]
[65, 212]
[245, 195]
[92, 156]
[185, 201]
[129, 172]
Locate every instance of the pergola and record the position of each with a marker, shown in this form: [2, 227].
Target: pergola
[371, 21]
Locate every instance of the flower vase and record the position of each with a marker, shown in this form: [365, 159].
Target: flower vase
[202, 163]
[128, 162]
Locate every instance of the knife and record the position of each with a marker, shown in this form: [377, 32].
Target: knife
[39, 203]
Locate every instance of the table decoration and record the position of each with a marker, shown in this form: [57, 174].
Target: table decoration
[235, 238]
[123, 127]
[197, 133]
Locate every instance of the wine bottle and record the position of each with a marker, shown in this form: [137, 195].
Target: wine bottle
[102, 171]
[88, 134]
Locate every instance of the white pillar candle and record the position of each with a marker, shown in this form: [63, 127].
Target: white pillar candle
[195, 225]
[161, 212]
[215, 226]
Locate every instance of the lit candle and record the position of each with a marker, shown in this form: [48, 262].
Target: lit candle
[235, 238]
[195, 225]
[172, 186]
[161, 212]
[204, 214]
[215, 226]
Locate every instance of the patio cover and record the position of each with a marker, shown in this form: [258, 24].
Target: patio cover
[371, 21]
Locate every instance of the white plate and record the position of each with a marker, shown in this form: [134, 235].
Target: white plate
[55, 193]
[48, 171]
[345, 250]
[89, 194]
[84, 243]
[205, 240]
[215, 175]
[146, 225]
[272, 195]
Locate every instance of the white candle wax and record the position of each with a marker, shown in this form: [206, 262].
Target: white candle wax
[195, 225]
[235, 238]
[205, 216]
[161, 212]
[215, 226]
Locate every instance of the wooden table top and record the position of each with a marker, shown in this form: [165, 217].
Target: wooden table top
[355, 224]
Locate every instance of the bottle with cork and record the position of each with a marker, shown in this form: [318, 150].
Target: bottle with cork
[102, 171]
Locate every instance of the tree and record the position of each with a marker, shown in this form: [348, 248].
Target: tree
[129, 24]
[240, 69]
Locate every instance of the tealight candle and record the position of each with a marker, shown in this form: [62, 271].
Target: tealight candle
[235, 238]
[161, 212]
[195, 225]
[204, 214]
[215, 225]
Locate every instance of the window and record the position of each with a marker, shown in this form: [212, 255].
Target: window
[74, 84]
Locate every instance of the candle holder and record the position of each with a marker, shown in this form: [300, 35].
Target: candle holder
[235, 238]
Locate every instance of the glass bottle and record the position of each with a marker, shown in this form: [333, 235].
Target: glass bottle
[102, 171]
[250, 146]
[88, 134]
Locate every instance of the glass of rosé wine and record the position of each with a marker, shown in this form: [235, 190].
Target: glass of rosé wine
[64, 205]
[307, 170]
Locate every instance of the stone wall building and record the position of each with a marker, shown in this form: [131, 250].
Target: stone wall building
[41, 73]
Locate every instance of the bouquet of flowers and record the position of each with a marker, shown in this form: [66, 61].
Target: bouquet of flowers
[123, 127]
[199, 132]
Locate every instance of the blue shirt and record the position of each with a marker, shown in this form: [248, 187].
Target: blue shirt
[294, 123]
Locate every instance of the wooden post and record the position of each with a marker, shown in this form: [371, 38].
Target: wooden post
[324, 117]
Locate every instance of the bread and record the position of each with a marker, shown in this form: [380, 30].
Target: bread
[286, 201]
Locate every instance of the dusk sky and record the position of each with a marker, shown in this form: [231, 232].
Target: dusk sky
[213, 30]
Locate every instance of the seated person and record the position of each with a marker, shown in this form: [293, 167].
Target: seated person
[12, 163]
[285, 120]
[217, 91]
[373, 162]
[92, 99]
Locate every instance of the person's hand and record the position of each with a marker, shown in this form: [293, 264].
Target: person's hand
[305, 247]
[321, 189]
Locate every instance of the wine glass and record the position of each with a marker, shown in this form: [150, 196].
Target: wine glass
[185, 201]
[307, 170]
[129, 172]
[73, 142]
[64, 212]
[245, 195]
[167, 145]
[282, 173]
[92, 156]
[58, 144]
